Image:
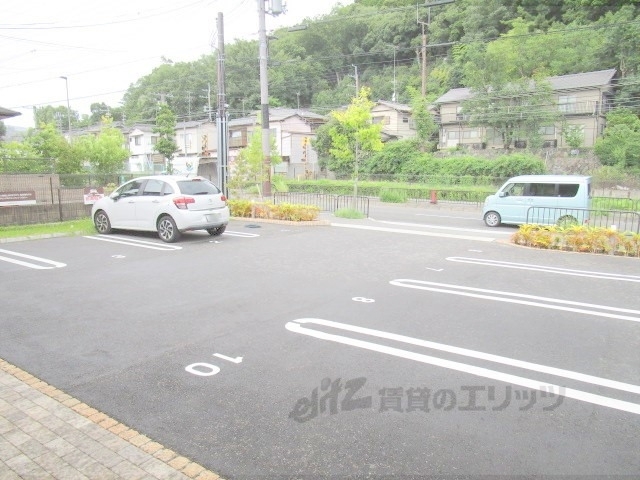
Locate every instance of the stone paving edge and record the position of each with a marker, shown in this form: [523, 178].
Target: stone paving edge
[169, 457]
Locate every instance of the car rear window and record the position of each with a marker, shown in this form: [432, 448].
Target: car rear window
[197, 187]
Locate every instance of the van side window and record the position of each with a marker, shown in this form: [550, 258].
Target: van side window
[568, 189]
[514, 190]
[542, 189]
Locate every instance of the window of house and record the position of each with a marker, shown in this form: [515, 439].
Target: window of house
[154, 140]
[453, 135]
[547, 130]
[470, 134]
[405, 119]
[138, 140]
[186, 140]
[567, 103]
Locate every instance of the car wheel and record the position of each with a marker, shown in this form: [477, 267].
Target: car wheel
[216, 231]
[492, 219]
[168, 230]
[101, 222]
[567, 221]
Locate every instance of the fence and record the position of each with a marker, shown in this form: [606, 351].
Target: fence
[613, 203]
[47, 198]
[434, 196]
[324, 201]
[621, 220]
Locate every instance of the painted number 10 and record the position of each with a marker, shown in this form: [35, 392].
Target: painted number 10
[203, 369]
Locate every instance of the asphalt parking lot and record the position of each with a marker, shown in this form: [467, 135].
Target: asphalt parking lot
[417, 342]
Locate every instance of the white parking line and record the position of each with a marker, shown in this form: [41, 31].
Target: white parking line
[296, 326]
[30, 257]
[438, 227]
[135, 243]
[543, 268]
[414, 232]
[240, 234]
[523, 299]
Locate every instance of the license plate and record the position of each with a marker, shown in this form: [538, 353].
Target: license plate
[213, 217]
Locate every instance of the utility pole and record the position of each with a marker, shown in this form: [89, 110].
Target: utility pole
[66, 82]
[357, 80]
[222, 127]
[424, 39]
[264, 102]
[393, 98]
[209, 100]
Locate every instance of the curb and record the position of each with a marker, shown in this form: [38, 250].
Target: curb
[312, 223]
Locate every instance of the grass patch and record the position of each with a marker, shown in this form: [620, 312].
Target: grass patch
[349, 213]
[83, 226]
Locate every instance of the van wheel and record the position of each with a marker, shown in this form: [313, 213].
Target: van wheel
[492, 219]
[567, 221]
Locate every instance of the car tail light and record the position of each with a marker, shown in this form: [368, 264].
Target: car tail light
[183, 202]
[223, 198]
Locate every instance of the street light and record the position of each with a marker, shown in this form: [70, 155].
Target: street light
[66, 82]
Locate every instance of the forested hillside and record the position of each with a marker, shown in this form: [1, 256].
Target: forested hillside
[378, 44]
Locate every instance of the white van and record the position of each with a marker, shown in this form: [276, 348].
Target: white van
[540, 199]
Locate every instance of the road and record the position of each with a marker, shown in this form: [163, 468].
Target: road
[416, 342]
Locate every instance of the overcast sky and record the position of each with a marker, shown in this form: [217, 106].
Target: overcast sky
[103, 47]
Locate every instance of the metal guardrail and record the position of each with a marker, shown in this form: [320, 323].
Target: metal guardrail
[614, 203]
[324, 201]
[621, 220]
[360, 204]
[434, 195]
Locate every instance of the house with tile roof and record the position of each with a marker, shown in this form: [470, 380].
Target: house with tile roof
[583, 99]
[395, 119]
[6, 113]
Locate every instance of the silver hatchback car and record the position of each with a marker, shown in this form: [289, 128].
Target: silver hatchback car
[166, 204]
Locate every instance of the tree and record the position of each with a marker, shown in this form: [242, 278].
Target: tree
[353, 136]
[514, 111]
[58, 116]
[426, 125]
[105, 152]
[620, 145]
[166, 127]
[573, 135]
[249, 165]
[3, 131]
[20, 157]
[390, 160]
[47, 142]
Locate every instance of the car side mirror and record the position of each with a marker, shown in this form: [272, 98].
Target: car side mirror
[502, 194]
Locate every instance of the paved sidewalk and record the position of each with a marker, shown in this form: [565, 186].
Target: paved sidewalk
[47, 434]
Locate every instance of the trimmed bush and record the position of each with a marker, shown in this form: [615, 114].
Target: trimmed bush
[579, 239]
[283, 211]
[393, 195]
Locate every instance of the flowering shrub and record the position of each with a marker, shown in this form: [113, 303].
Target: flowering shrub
[579, 239]
[283, 211]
